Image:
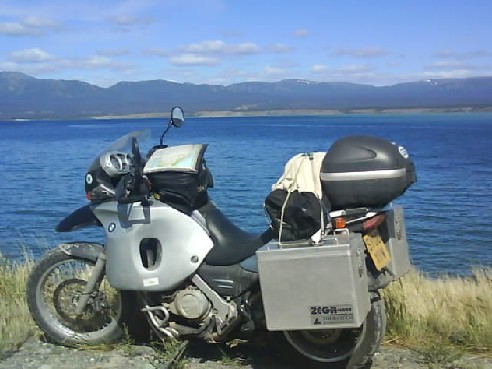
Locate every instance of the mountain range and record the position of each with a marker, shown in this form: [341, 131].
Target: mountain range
[26, 97]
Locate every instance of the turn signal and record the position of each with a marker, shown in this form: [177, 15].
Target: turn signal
[340, 223]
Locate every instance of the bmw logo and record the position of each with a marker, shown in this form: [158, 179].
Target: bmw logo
[89, 179]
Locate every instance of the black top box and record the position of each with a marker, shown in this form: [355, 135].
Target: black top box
[365, 171]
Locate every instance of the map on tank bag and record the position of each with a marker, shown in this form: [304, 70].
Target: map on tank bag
[182, 158]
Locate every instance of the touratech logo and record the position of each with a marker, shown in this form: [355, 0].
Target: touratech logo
[331, 314]
[318, 310]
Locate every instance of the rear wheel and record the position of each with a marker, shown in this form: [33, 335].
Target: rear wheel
[340, 348]
[54, 287]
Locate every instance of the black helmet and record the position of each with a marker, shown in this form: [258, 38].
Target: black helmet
[104, 174]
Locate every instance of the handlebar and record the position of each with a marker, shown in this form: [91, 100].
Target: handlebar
[133, 189]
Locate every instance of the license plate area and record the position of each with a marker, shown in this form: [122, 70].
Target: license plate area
[393, 233]
[377, 249]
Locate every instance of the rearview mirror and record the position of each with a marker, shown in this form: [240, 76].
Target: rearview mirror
[177, 116]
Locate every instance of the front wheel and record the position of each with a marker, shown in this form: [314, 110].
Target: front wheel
[54, 287]
[340, 348]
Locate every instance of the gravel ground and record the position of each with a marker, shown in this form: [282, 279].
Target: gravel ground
[39, 355]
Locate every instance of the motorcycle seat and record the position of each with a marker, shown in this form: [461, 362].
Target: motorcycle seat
[231, 244]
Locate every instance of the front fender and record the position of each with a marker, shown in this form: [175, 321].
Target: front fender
[83, 250]
[80, 218]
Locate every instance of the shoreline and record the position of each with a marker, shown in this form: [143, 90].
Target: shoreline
[304, 112]
[328, 112]
[272, 113]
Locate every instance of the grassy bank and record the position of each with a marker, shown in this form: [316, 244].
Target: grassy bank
[431, 315]
[16, 324]
[442, 313]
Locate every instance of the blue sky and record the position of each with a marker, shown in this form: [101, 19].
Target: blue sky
[227, 41]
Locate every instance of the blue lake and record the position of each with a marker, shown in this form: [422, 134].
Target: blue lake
[448, 211]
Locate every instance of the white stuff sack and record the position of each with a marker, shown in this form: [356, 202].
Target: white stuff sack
[301, 173]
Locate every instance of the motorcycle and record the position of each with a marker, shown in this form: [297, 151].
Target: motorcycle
[171, 255]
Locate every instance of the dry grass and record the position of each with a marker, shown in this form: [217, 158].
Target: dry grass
[16, 324]
[448, 311]
[429, 314]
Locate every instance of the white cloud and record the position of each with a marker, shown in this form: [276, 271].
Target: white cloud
[227, 76]
[268, 73]
[367, 52]
[126, 20]
[444, 64]
[95, 62]
[17, 29]
[39, 22]
[30, 56]
[355, 69]
[473, 54]
[9, 66]
[220, 47]
[29, 26]
[458, 65]
[38, 62]
[454, 68]
[455, 73]
[243, 49]
[301, 32]
[274, 71]
[192, 59]
[210, 46]
[352, 72]
[319, 68]
[281, 48]
[114, 52]
[158, 52]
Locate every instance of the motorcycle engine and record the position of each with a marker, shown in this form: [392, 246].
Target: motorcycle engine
[190, 303]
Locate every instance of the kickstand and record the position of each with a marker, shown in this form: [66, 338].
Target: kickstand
[177, 356]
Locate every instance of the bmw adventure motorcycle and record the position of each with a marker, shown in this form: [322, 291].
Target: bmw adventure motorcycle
[172, 256]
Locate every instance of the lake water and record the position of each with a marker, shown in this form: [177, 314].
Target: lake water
[448, 211]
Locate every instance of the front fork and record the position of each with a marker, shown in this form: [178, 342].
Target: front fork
[92, 284]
